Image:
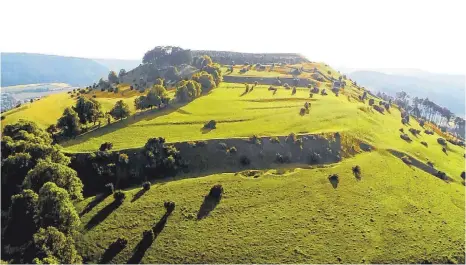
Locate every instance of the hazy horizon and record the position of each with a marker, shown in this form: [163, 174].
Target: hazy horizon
[420, 35]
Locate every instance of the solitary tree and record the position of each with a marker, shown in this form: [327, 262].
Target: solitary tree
[112, 77]
[140, 103]
[120, 110]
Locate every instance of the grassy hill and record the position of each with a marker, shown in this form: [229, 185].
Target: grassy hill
[47, 110]
[396, 213]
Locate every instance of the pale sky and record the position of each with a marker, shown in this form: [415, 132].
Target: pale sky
[427, 35]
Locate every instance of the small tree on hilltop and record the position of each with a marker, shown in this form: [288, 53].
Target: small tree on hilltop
[112, 77]
[122, 73]
[120, 110]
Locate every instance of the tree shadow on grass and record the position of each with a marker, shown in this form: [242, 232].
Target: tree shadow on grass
[146, 241]
[207, 206]
[334, 181]
[97, 199]
[103, 130]
[138, 195]
[102, 214]
[205, 130]
[111, 252]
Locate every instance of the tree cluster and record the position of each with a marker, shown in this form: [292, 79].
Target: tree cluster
[155, 98]
[167, 56]
[38, 189]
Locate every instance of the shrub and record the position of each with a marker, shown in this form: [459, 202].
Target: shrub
[146, 185]
[405, 137]
[169, 206]
[441, 175]
[291, 138]
[222, 146]
[462, 175]
[201, 143]
[282, 158]
[407, 160]
[109, 189]
[275, 140]
[323, 92]
[255, 140]
[307, 105]
[442, 141]
[119, 196]
[429, 132]
[334, 178]
[378, 108]
[424, 144]
[357, 171]
[232, 150]
[402, 130]
[302, 111]
[121, 242]
[421, 122]
[148, 235]
[106, 146]
[210, 125]
[371, 102]
[244, 160]
[314, 157]
[413, 131]
[216, 192]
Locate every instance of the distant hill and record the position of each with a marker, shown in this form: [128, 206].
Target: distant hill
[446, 90]
[117, 64]
[28, 68]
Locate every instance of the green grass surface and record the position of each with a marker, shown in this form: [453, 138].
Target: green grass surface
[394, 214]
[259, 112]
[47, 110]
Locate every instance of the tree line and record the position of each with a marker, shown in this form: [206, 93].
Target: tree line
[423, 108]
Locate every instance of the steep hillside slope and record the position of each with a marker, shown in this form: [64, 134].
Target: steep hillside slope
[394, 211]
[28, 68]
[393, 214]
